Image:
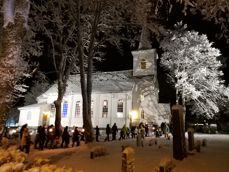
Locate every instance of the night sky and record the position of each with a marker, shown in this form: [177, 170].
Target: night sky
[121, 58]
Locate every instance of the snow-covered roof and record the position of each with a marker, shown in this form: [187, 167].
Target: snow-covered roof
[36, 105]
[103, 82]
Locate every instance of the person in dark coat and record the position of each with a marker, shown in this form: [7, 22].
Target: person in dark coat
[41, 137]
[25, 141]
[50, 137]
[114, 131]
[76, 137]
[108, 131]
[21, 133]
[97, 133]
[146, 130]
[37, 137]
[22, 128]
[65, 137]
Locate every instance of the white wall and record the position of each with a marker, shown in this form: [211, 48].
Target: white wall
[112, 109]
[35, 116]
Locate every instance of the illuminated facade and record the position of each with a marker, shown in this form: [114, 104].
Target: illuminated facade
[120, 97]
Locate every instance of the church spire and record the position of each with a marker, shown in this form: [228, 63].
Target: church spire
[144, 42]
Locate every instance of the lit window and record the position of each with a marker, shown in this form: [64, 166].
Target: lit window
[105, 109]
[29, 115]
[120, 109]
[65, 109]
[77, 110]
[53, 110]
[143, 64]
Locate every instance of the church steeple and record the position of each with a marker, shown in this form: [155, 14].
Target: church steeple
[144, 43]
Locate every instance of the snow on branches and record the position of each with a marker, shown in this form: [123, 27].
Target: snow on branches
[193, 68]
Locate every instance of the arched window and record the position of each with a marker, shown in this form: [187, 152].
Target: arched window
[77, 110]
[65, 109]
[53, 110]
[105, 109]
[120, 108]
[29, 114]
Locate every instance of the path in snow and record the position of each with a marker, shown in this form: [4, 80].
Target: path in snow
[213, 158]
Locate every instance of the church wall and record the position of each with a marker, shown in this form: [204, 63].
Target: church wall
[29, 116]
[73, 119]
[112, 116]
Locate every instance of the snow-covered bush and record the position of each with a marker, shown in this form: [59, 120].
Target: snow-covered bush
[5, 143]
[13, 160]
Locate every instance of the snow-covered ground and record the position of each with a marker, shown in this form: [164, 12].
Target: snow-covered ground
[212, 158]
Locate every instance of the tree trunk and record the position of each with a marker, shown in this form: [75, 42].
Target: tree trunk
[86, 124]
[87, 120]
[86, 84]
[58, 117]
[61, 91]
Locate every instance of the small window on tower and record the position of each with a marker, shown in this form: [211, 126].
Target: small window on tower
[143, 64]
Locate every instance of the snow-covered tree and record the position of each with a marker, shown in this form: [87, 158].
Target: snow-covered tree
[12, 66]
[15, 47]
[192, 66]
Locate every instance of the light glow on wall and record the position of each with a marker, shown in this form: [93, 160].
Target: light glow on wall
[134, 114]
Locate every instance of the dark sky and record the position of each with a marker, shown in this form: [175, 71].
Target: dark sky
[116, 58]
[121, 59]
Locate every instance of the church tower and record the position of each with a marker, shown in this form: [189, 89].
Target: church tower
[144, 62]
[145, 91]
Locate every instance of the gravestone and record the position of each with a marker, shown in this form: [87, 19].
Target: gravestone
[128, 160]
[179, 147]
[191, 139]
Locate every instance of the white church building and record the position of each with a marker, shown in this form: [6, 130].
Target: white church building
[120, 97]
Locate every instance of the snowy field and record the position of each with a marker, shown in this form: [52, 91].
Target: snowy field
[212, 158]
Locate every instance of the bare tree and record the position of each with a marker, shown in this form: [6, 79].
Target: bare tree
[54, 20]
[98, 20]
[92, 20]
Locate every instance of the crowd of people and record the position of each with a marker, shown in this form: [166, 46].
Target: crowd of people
[46, 137]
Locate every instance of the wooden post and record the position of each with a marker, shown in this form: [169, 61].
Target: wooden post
[128, 160]
[179, 147]
[191, 139]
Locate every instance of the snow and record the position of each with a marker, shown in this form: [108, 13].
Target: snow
[212, 158]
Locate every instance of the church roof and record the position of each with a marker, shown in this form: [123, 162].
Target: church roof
[103, 82]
